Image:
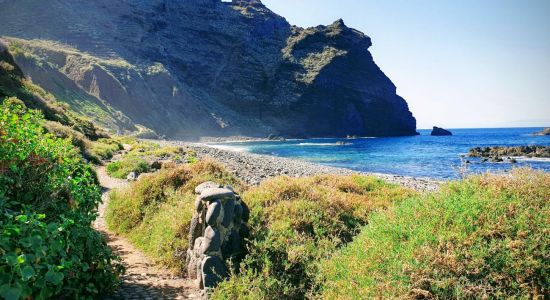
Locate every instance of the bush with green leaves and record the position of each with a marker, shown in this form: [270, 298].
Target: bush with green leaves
[48, 200]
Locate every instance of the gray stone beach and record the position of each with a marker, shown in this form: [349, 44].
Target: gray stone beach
[255, 168]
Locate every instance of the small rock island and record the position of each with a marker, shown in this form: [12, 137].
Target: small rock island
[438, 131]
[545, 131]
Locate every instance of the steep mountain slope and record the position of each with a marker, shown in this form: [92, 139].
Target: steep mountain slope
[93, 142]
[13, 84]
[205, 67]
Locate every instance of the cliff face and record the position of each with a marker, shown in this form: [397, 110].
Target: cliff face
[206, 67]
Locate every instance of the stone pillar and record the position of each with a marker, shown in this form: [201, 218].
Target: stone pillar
[216, 235]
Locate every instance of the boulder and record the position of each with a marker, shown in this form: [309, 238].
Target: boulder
[198, 204]
[211, 194]
[246, 212]
[238, 214]
[214, 271]
[213, 213]
[438, 131]
[244, 231]
[206, 185]
[195, 230]
[233, 244]
[191, 266]
[220, 246]
[513, 151]
[212, 241]
[132, 176]
[229, 212]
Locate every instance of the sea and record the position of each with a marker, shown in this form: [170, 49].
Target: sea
[437, 157]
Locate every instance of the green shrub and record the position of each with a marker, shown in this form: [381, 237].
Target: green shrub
[123, 167]
[94, 151]
[155, 212]
[297, 222]
[104, 148]
[486, 237]
[48, 199]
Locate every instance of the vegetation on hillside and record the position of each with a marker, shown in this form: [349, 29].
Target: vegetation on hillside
[48, 200]
[142, 155]
[296, 222]
[155, 212]
[14, 84]
[94, 144]
[45, 59]
[485, 237]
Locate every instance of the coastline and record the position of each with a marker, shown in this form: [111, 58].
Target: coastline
[255, 168]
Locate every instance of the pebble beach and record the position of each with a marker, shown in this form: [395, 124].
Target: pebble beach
[255, 168]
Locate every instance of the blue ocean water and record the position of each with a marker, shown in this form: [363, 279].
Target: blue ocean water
[419, 156]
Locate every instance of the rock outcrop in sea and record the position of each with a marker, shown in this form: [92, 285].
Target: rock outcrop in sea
[204, 68]
[496, 153]
[545, 131]
[438, 131]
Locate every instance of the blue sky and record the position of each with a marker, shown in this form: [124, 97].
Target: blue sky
[463, 63]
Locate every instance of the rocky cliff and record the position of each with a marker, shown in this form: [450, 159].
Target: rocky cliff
[205, 67]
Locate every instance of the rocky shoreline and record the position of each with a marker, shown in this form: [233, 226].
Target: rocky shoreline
[510, 154]
[255, 168]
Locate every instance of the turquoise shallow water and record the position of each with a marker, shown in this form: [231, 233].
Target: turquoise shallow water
[421, 156]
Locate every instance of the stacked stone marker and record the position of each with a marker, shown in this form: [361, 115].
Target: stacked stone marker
[216, 234]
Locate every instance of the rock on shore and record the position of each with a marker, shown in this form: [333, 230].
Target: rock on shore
[255, 168]
[545, 131]
[496, 154]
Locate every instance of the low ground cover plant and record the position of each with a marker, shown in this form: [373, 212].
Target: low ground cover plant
[48, 200]
[485, 237]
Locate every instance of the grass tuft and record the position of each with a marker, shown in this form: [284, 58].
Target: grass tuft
[121, 168]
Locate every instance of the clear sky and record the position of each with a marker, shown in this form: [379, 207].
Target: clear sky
[458, 63]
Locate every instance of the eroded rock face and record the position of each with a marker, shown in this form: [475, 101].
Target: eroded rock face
[216, 235]
[205, 67]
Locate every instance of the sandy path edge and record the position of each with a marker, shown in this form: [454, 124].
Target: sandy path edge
[143, 279]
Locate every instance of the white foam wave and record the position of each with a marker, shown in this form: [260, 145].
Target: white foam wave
[322, 144]
[229, 147]
[532, 159]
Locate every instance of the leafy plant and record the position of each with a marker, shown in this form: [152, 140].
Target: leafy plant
[48, 199]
